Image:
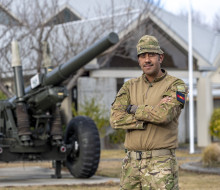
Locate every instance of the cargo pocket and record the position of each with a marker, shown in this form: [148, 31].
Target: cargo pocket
[161, 172]
[125, 170]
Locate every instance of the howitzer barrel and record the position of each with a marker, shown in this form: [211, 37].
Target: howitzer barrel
[62, 72]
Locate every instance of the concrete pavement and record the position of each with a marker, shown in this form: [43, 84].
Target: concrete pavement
[198, 167]
[35, 175]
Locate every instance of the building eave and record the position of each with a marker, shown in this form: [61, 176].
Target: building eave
[60, 10]
[133, 73]
[202, 62]
[11, 14]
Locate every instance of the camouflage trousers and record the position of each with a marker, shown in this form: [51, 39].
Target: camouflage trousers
[156, 173]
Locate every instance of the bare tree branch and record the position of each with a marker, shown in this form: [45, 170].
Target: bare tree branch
[67, 39]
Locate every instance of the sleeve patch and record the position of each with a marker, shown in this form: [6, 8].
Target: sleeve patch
[180, 97]
[181, 88]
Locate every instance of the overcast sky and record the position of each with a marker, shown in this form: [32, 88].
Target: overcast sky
[207, 8]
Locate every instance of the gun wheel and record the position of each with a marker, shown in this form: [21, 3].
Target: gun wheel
[83, 160]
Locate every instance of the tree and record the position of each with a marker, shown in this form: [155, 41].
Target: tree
[65, 39]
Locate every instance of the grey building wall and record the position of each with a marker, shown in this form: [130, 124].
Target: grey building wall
[102, 89]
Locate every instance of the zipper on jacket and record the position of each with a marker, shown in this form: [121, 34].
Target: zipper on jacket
[150, 85]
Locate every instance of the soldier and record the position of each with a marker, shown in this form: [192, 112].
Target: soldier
[148, 109]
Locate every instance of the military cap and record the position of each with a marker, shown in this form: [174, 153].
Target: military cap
[148, 44]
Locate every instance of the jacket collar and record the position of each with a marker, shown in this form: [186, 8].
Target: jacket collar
[157, 79]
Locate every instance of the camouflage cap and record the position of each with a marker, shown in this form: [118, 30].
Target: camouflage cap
[148, 44]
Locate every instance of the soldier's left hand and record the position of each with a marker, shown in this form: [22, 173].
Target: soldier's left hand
[165, 100]
[131, 109]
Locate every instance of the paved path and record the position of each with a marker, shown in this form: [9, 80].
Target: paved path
[197, 167]
[30, 176]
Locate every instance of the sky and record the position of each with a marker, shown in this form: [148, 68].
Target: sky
[207, 8]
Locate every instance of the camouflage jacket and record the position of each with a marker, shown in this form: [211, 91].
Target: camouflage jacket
[154, 124]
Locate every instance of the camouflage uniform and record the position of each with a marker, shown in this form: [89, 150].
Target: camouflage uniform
[152, 127]
[148, 174]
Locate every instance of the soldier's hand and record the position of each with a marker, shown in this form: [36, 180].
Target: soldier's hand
[165, 100]
[131, 109]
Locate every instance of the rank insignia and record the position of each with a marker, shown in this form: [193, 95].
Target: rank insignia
[180, 97]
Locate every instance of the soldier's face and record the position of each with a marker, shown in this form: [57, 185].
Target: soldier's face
[150, 63]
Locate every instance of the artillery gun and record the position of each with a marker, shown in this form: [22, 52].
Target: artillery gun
[31, 125]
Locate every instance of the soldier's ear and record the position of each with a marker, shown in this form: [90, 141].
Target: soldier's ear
[161, 57]
[138, 61]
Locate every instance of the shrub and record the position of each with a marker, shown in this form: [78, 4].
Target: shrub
[118, 136]
[214, 126]
[211, 155]
[96, 112]
[2, 96]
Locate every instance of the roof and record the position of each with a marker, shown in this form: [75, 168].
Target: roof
[83, 8]
[7, 18]
[205, 41]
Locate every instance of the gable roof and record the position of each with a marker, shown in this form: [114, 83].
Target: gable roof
[96, 8]
[204, 40]
[206, 44]
[64, 15]
[82, 8]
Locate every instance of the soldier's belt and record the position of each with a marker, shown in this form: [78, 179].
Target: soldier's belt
[138, 155]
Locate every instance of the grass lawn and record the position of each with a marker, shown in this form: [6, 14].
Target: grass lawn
[110, 165]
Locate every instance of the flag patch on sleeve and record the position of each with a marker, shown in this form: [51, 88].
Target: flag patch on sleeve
[180, 97]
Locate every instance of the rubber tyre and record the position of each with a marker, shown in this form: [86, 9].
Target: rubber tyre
[84, 162]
